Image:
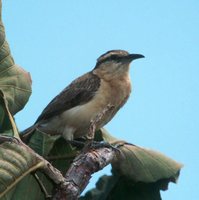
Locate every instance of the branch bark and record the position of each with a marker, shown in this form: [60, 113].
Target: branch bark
[79, 174]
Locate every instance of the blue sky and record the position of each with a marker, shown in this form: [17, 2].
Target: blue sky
[57, 41]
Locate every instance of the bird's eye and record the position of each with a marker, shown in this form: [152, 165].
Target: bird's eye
[114, 58]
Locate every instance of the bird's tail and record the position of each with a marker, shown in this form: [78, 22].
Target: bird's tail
[27, 133]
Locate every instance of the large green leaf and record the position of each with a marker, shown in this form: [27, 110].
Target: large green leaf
[7, 124]
[145, 165]
[15, 82]
[54, 149]
[15, 163]
[138, 173]
[116, 187]
[28, 188]
[42, 143]
[49, 147]
[142, 165]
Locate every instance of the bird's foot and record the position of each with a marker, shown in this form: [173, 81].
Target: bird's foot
[91, 144]
[96, 145]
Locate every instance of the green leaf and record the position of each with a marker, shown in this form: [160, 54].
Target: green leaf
[141, 164]
[116, 187]
[62, 155]
[28, 188]
[138, 173]
[52, 148]
[7, 125]
[146, 165]
[42, 143]
[15, 82]
[15, 163]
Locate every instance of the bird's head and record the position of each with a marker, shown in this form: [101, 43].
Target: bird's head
[115, 63]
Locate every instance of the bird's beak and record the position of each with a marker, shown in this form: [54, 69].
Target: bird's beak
[132, 57]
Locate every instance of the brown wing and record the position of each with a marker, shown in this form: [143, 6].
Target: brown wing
[79, 92]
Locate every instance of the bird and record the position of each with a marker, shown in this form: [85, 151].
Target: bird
[70, 113]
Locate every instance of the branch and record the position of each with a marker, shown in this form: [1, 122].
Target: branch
[79, 174]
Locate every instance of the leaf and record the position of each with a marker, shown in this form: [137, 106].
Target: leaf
[15, 163]
[42, 143]
[141, 164]
[15, 82]
[146, 165]
[54, 149]
[58, 152]
[7, 125]
[138, 173]
[62, 155]
[116, 187]
[28, 188]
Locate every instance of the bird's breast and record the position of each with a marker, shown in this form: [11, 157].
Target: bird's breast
[114, 93]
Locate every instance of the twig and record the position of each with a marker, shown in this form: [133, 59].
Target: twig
[47, 196]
